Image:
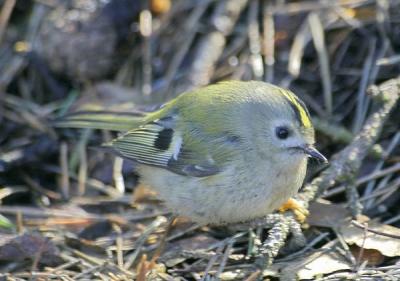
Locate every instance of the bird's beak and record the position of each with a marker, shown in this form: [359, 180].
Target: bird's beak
[314, 153]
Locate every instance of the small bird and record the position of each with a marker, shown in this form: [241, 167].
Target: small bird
[227, 153]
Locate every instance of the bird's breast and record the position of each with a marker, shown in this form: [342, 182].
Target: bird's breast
[239, 193]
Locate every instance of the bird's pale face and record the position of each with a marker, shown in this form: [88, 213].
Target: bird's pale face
[291, 141]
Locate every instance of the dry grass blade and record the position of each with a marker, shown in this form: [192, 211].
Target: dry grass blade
[269, 44]
[317, 32]
[210, 47]
[189, 33]
[5, 14]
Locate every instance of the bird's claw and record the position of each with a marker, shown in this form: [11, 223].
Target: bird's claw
[297, 208]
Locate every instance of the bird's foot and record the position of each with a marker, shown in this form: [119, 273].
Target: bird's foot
[297, 208]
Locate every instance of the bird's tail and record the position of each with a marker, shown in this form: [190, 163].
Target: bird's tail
[104, 120]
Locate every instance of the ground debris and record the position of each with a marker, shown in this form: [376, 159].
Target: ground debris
[69, 211]
[29, 246]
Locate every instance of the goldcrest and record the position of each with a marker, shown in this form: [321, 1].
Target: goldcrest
[226, 153]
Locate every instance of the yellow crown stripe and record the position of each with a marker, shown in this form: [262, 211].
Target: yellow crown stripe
[304, 117]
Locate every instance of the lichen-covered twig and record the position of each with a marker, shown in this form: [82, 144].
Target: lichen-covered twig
[338, 133]
[346, 163]
[276, 239]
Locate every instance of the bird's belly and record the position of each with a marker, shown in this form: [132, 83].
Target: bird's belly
[247, 198]
[228, 197]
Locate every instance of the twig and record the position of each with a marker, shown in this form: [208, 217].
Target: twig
[189, 34]
[117, 175]
[276, 239]
[38, 188]
[362, 248]
[130, 259]
[82, 172]
[345, 250]
[212, 45]
[225, 258]
[297, 50]
[307, 248]
[254, 276]
[353, 197]
[348, 161]
[365, 227]
[256, 61]
[145, 24]
[317, 32]
[389, 170]
[119, 241]
[5, 14]
[212, 261]
[85, 272]
[36, 212]
[64, 183]
[269, 44]
[362, 98]
[388, 151]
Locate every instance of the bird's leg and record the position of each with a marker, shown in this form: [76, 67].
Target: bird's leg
[161, 246]
[296, 207]
[144, 266]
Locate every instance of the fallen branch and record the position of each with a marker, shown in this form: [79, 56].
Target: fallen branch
[346, 163]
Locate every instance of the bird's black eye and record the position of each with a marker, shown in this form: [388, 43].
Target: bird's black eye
[282, 132]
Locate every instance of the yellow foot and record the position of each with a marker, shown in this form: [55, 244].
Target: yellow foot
[297, 208]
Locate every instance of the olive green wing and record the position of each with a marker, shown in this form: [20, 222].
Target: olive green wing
[159, 143]
[104, 120]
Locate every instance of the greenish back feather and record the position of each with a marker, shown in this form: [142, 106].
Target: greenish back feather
[199, 131]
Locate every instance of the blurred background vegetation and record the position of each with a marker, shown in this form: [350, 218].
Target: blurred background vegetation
[72, 205]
